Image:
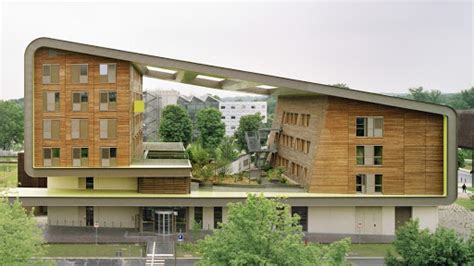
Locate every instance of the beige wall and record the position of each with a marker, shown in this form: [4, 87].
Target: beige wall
[118, 183]
[63, 182]
[69, 216]
[208, 218]
[428, 216]
[116, 216]
[337, 220]
[388, 220]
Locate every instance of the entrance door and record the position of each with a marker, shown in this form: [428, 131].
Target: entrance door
[164, 222]
[402, 215]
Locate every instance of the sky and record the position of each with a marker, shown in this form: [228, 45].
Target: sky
[376, 46]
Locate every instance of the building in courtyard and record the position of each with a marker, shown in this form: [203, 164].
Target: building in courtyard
[233, 111]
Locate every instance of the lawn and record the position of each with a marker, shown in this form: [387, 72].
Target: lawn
[8, 175]
[91, 250]
[370, 250]
[466, 203]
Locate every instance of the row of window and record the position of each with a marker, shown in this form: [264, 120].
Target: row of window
[369, 126]
[294, 168]
[80, 101]
[242, 107]
[80, 128]
[198, 216]
[79, 73]
[296, 119]
[233, 117]
[80, 156]
[369, 155]
[288, 141]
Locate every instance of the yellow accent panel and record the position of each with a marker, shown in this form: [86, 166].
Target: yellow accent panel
[138, 106]
[445, 155]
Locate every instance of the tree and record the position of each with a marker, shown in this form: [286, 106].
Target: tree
[211, 128]
[11, 124]
[420, 247]
[260, 232]
[197, 154]
[468, 96]
[20, 238]
[422, 95]
[461, 159]
[247, 123]
[226, 150]
[175, 125]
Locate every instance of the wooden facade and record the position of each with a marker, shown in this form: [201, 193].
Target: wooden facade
[172, 185]
[128, 125]
[412, 144]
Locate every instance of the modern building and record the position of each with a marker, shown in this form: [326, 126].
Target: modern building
[194, 104]
[155, 101]
[233, 111]
[364, 162]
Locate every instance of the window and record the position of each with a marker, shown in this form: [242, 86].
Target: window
[222, 117]
[232, 117]
[79, 128]
[360, 154]
[108, 128]
[108, 157]
[378, 150]
[80, 157]
[51, 101]
[79, 74]
[108, 101]
[51, 157]
[253, 106]
[50, 74]
[50, 129]
[305, 120]
[302, 212]
[107, 73]
[378, 183]
[222, 107]
[232, 107]
[89, 215]
[369, 126]
[217, 216]
[80, 101]
[360, 183]
[198, 216]
[89, 183]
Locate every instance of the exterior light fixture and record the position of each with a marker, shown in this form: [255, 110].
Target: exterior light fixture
[266, 87]
[209, 78]
[162, 70]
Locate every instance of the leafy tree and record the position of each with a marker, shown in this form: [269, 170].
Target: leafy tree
[175, 125]
[211, 128]
[20, 238]
[247, 123]
[457, 101]
[11, 124]
[461, 159]
[420, 247]
[260, 232]
[420, 94]
[197, 154]
[226, 150]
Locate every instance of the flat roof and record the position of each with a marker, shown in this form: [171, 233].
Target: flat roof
[163, 146]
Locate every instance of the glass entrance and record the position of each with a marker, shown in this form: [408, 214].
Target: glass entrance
[164, 222]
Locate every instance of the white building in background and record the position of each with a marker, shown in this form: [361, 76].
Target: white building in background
[233, 111]
[155, 100]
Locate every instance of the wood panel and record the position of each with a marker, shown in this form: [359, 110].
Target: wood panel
[172, 185]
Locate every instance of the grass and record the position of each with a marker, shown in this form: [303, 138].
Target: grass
[91, 250]
[186, 249]
[8, 175]
[466, 203]
[468, 166]
[370, 250]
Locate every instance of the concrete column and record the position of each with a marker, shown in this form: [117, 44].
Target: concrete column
[208, 218]
[224, 214]
[428, 216]
[388, 220]
[190, 217]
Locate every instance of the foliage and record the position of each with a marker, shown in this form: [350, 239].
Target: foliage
[276, 174]
[204, 172]
[196, 228]
[226, 150]
[420, 94]
[247, 123]
[420, 247]
[11, 124]
[197, 154]
[461, 159]
[211, 128]
[175, 125]
[468, 96]
[260, 232]
[20, 238]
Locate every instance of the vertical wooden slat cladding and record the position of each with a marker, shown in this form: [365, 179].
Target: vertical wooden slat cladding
[412, 145]
[170, 185]
[24, 180]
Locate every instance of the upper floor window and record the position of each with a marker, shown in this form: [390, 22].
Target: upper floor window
[369, 155]
[50, 74]
[361, 180]
[79, 128]
[80, 157]
[369, 183]
[108, 157]
[108, 128]
[252, 107]
[51, 129]
[369, 126]
[51, 157]
[51, 101]
[222, 117]
[79, 74]
[232, 117]
[108, 101]
[107, 73]
[305, 120]
[222, 107]
[89, 183]
[232, 107]
[378, 183]
[80, 101]
[217, 216]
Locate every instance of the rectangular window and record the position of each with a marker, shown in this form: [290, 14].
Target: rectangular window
[51, 157]
[89, 215]
[378, 158]
[302, 212]
[108, 157]
[360, 155]
[51, 101]
[222, 107]
[50, 74]
[108, 101]
[108, 128]
[217, 216]
[198, 216]
[107, 73]
[80, 157]
[361, 183]
[80, 101]
[89, 183]
[51, 129]
[79, 128]
[79, 74]
[378, 183]
[378, 127]
[361, 126]
[369, 126]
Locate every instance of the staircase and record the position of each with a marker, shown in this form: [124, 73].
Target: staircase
[158, 251]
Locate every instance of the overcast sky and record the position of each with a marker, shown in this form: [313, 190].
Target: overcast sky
[374, 46]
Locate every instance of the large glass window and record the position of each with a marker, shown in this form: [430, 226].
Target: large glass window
[198, 216]
[303, 214]
[217, 216]
[378, 183]
[89, 183]
[378, 158]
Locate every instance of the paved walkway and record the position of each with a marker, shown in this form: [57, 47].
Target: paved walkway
[458, 218]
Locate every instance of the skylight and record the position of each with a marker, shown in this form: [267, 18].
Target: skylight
[209, 78]
[162, 70]
[266, 87]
